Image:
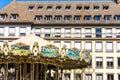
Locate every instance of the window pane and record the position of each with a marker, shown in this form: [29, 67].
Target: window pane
[118, 61]
[1, 30]
[22, 31]
[98, 46]
[12, 31]
[68, 45]
[57, 32]
[109, 46]
[37, 31]
[47, 32]
[98, 32]
[77, 32]
[108, 32]
[88, 46]
[67, 32]
[88, 32]
[118, 32]
[99, 77]
[78, 45]
[118, 46]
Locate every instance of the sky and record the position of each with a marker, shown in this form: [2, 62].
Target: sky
[3, 3]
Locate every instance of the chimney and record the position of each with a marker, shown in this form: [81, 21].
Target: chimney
[118, 1]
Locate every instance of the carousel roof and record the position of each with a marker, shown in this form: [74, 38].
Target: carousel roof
[30, 40]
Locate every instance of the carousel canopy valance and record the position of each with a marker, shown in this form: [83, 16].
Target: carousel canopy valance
[32, 49]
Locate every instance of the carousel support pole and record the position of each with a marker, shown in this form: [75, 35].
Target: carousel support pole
[61, 74]
[41, 72]
[20, 71]
[6, 72]
[17, 68]
[57, 73]
[44, 73]
[49, 73]
[83, 74]
[32, 71]
[37, 71]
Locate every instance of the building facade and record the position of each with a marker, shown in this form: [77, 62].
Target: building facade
[94, 26]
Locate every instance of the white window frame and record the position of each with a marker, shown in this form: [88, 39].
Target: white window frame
[88, 46]
[57, 32]
[11, 31]
[109, 46]
[88, 77]
[78, 45]
[47, 32]
[68, 44]
[77, 32]
[2, 29]
[118, 46]
[110, 59]
[108, 32]
[22, 31]
[99, 59]
[37, 31]
[67, 32]
[117, 32]
[99, 76]
[88, 32]
[98, 46]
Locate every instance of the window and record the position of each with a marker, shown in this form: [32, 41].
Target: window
[47, 32]
[108, 32]
[3, 16]
[14, 16]
[58, 18]
[67, 18]
[12, 31]
[105, 8]
[57, 44]
[31, 8]
[1, 43]
[49, 8]
[78, 45]
[99, 62]
[1, 31]
[77, 32]
[110, 77]
[98, 32]
[57, 32]
[88, 77]
[58, 8]
[67, 8]
[117, 17]
[88, 32]
[48, 18]
[118, 61]
[78, 7]
[78, 76]
[97, 18]
[40, 8]
[110, 62]
[109, 46]
[118, 32]
[118, 46]
[68, 44]
[96, 8]
[99, 76]
[67, 76]
[118, 76]
[88, 46]
[77, 18]
[86, 7]
[107, 18]
[22, 31]
[67, 32]
[37, 32]
[38, 18]
[98, 46]
[87, 18]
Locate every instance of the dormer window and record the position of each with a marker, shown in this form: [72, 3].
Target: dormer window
[97, 18]
[49, 8]
[38, 18]
[77, 18]
[3, 16]
[107, 17]
[58, 18]
[30, 8]
[67, 8]
[58, 8]
[40, 8]
[48, 18]
[86, 7]
[117, 17]
[14, 16]
[105, 7]
[87, 18]
[96, 8]
[68, 18]
[78, 7]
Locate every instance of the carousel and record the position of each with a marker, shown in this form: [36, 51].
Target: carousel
[33, 58]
